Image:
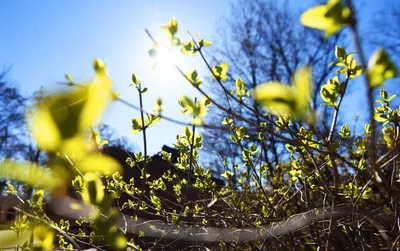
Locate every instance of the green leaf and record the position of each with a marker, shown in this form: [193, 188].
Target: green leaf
[303, 82]
[330, 91]
[381, 68]
[357, 71]
[329, 17]
[277, 97]
[137, 125]
[65, 116]
[293, 100]
[194, 78]
[188, 48]
[220, 71]
[227, 174]
[389, 136]
[203, 43]
[340, 53]
[344, 132]
[99, 163]
[171, 29]
[240, 91]
[380, 117]
[383, 94]
[93, 190]
[135, 80]
[32, 175]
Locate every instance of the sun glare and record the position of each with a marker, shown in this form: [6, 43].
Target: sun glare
[166, 60]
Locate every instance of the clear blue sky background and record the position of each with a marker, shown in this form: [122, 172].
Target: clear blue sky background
[43, 40]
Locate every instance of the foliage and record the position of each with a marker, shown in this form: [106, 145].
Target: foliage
[341, 178]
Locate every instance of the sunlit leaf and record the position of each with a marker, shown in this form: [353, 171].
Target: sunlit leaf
[227, 174]
[98, 98]
[240, 90]
[194, 78]
[303, 82]
[44, 236]
[205, 43]
[329, 17]
[381, 68]
[99, 163]
[389, 135]
[137, 125]
[220, 71]
[31, 175]
[171, 29]
[380, 117]
[277, 97]
[93, 189]
[188, 48]
[284, 99]
[43, 127]
[65, 115]
[340, 53]
[330, 91]
[135, 80]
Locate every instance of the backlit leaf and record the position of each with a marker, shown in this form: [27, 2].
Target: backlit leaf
[381, 68]
[99, 163]
[277, 97]
[283, 99]
[329, 17]
[93, 190]
[220, 71]
[32, 175]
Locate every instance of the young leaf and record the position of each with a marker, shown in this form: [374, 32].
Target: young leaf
[188, 48]
[283, 99]
[340, 53]
[220, 71]
[99, 163]
[380, 68]
[329, 17]
[171, 29]
[194, 78]
[277, 97]
[93, 191]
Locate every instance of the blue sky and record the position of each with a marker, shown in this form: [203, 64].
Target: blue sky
[43, 40]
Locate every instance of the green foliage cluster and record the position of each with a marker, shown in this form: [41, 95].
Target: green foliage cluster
[340, 179]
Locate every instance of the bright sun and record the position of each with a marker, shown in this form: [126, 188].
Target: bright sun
[166, 61]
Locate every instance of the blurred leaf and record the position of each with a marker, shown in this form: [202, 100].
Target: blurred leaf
[188, 48]
[171, 29]
[381, 68]
[194, 78]
[93, 189]
[293, 100]
[277, 97]
[203, 43]
[329, 17]
[44, 237]
[303, 82]
[67, 114]
[135, 80]
[220, 71]
[99, 163]
[31, 175]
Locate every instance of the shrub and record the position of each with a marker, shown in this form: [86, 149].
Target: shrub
[336, 193]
